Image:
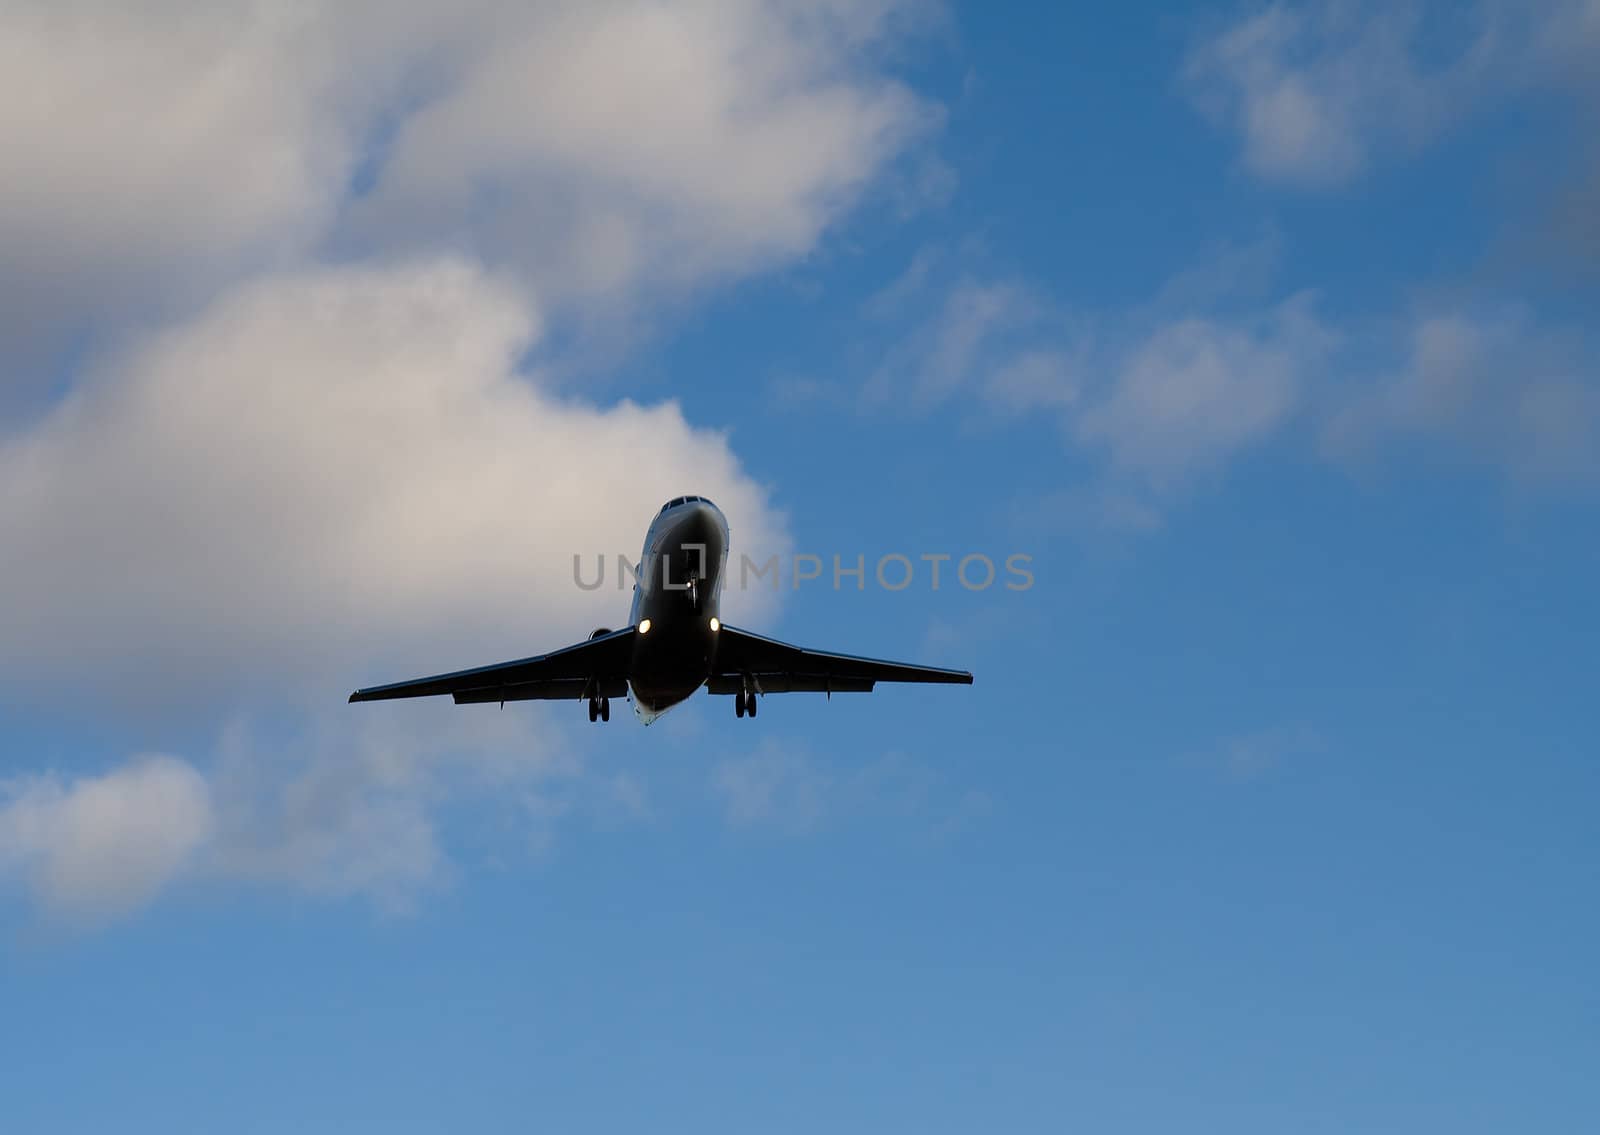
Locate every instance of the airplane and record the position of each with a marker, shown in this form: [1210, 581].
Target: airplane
[676, 642]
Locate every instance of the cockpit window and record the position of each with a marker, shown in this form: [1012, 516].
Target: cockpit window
[676, 501]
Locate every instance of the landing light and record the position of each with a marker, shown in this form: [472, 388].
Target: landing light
[715, 625]
[644, 626]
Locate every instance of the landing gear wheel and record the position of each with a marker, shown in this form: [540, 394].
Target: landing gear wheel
[738, 704]
[605, 709]
[750, 703]
[594, 709]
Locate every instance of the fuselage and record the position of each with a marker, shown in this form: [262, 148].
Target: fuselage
[675, 604]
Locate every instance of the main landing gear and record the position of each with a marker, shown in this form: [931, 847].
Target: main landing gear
[599, 709]
[744, 703]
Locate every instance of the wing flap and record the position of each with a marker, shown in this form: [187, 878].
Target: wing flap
[556, 689]
[789, 684]
[781, 667]
[603, 661]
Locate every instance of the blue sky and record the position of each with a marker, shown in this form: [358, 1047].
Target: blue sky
[1262, 330]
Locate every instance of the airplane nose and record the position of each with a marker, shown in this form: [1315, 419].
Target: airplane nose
[702, 523]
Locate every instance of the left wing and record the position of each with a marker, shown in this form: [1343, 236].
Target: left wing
[779, 668]
[595, 668]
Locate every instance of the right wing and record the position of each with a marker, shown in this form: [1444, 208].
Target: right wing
[779, 668]
[597, 667]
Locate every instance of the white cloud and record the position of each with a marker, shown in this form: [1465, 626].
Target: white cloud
[783, 788]
[1161, 394]
[1208, 370]
[151, 148]
[1197, 391]
[98, 846]
[985, 332]
[1496, 385]
[312, 476]
[1245, 758]
[333, 805]
[1316, 89]
[321, 468]
[158, 150]
[1034, 378]
[944, 356]
[1253, 755]
[345, 803]
[773, 786]
[598, 145]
